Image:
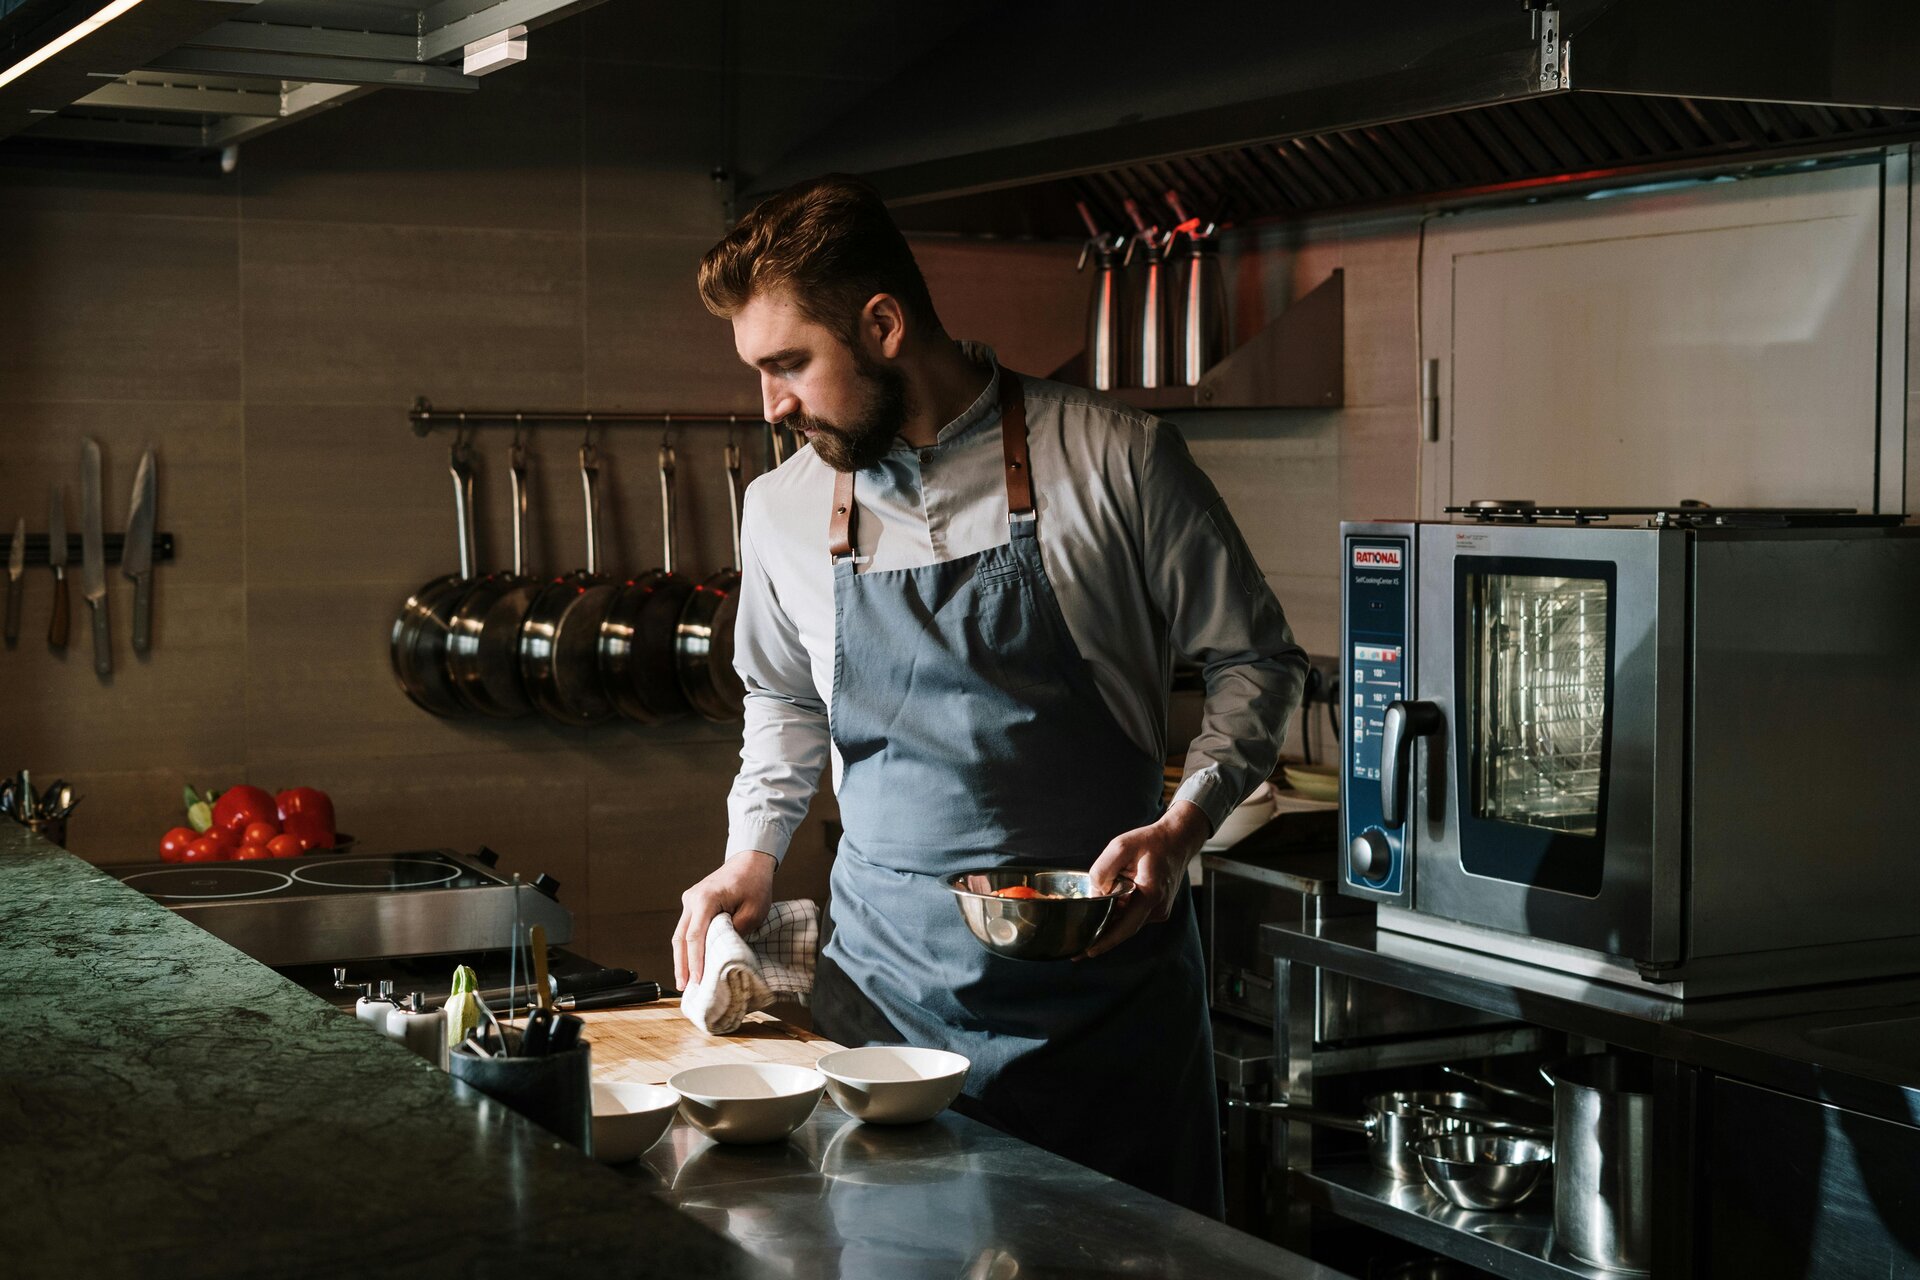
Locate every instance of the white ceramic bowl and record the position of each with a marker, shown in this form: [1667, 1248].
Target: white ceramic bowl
[629, 1118]
[748, 1101]
[894, 1084]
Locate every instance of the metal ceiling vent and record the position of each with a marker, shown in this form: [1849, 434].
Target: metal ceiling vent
[196, 76]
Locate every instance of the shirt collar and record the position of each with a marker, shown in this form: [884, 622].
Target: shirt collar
[985, 407]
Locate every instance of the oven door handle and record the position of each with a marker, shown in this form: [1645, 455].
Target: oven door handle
[1404, 722]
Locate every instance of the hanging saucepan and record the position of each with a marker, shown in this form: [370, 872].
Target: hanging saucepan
[418, 646]
[483, 649]
[637, 638]
[562, 628]
[703, 644]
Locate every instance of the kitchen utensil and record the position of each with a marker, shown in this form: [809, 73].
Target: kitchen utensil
[703, 641]
[373, 1009]
[1199, 320]
[536, 1036]
[7, 796]
[746, 1102]
[560, 639]
[1603, 1119]
[612, 998]
[57, 561]
[1106, 304]
[1150, 311]
[1391, 1122]
[29, 800]
[629, 1118]
[574, 983]
[483, 641]
[93, 563]
[16, 570]
[565, 1034]
[554, 1090]
[418, 645]
[1483, 1171]
[1491, 1086]
[542, 988]
[421, 1029]
[136, 552]
[894, 1084]
[1056, 928]
[638, 640]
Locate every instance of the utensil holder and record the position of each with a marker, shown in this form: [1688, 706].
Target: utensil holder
[555, 1091]
[52, 830]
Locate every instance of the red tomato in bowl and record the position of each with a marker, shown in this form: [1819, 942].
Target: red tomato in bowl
[174, 844]
[251, 853]
[284, 847]
[259, 832]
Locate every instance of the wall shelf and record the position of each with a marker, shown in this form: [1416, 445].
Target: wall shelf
[1297, 361]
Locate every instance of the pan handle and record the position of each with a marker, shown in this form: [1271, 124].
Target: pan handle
[1308, 1115]
[460, 464]
[518, 472]
[590, 482]
[733, 498]
[667, 506]
[1484, 1083]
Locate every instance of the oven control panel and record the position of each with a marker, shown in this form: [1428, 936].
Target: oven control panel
[1376, 658]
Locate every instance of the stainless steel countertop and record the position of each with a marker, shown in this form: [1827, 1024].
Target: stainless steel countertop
[1855, 1044]
[950, 1198]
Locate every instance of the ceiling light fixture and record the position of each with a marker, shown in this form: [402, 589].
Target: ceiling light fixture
[73, 35]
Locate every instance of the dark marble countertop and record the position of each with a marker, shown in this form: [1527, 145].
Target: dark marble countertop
[1854, 1044]
[170, 1107]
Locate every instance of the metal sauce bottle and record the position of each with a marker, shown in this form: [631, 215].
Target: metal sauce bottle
[1150, 325]
[1200, 305]
[1106, 304]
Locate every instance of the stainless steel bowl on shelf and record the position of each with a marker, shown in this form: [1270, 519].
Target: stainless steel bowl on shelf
[1483, 1170]
[1056, 927]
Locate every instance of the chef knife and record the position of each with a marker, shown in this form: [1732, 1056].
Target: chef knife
[136, 553]
[57, 560]
[571, 984]
[16, 566]
[93, 561]
[639, 993]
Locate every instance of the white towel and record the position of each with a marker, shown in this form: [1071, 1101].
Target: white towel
[745, 976]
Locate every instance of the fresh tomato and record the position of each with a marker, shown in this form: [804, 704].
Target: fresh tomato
[306, 814]
[285, 847]
[259, 832]
[205, 850]
[238, 807]
[175, 842]
[227, 840]
[252, 852]
[1019, 891]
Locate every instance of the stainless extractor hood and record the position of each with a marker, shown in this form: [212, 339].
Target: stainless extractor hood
[1257, 107]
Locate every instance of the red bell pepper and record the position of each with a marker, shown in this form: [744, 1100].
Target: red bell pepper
[306, 814]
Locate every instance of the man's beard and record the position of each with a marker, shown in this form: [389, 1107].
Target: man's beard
[861, 443]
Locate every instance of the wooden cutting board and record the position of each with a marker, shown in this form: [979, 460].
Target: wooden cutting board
[653, 1041]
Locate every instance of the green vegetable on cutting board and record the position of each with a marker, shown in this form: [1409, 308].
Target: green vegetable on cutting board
[463, 1006]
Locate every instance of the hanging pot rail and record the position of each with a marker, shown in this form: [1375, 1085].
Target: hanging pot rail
[425, 418]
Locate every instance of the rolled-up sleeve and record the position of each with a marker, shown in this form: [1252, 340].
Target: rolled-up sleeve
[785, 741]
[1220, 614]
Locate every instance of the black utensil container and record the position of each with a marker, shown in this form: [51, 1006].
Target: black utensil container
[555, 1091]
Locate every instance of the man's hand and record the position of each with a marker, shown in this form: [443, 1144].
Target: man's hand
[742, 887]
[1155, 858]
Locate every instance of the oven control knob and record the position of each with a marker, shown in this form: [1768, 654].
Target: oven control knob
[1370, 856]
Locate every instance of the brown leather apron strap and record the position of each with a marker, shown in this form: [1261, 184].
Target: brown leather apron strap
[843, 528]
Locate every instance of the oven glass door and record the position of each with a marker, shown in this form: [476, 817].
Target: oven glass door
[1534, 670]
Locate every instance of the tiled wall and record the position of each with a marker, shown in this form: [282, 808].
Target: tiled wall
[532, 244]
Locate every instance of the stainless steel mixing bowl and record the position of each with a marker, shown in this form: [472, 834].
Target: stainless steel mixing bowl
[1034, 928]
[1482, 1170]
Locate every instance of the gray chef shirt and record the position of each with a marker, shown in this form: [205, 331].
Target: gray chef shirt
[1142, 555]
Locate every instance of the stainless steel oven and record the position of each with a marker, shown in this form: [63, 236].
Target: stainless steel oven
[1669, 747]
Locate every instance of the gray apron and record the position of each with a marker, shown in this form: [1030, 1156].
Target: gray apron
[972, 735]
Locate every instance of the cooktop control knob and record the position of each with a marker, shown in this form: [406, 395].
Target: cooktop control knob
[1370, 856]
[547, 885]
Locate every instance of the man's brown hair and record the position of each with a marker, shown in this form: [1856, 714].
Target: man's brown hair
[831, 243]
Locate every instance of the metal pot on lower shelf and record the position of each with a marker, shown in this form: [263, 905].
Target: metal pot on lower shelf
[1603, 1125]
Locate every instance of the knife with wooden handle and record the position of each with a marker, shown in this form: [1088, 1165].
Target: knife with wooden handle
[16, 566]
[93, 559]
[136, 554]
[57, 561]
